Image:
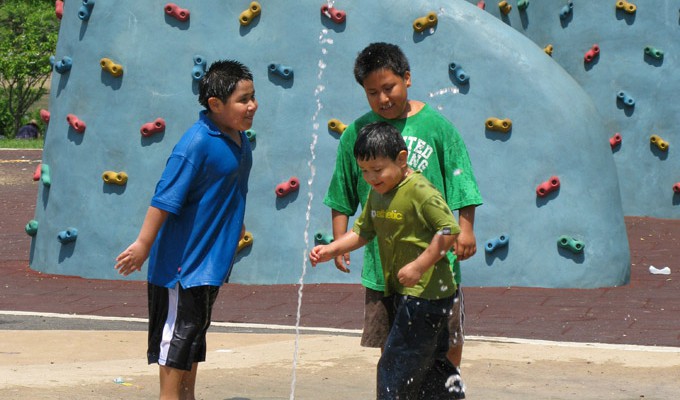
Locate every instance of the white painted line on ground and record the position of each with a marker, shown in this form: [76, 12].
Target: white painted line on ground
[493, 339]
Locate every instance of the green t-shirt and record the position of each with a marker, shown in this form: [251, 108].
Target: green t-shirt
[435, 148]
[404, 221]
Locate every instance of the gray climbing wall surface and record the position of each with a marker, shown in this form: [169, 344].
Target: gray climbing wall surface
[537, 127]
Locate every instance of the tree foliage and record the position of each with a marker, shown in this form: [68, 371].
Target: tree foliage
[28, 37]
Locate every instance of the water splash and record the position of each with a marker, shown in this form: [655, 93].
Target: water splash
[310, 197]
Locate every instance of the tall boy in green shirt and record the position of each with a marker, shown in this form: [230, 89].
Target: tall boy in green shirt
[435, 148]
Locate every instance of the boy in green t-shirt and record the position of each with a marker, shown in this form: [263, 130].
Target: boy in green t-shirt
[414, 228]
[435, 148]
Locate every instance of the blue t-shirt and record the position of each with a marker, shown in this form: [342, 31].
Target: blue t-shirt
[203, 187]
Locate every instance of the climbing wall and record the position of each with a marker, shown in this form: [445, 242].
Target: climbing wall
[124, 90]
[632, 78]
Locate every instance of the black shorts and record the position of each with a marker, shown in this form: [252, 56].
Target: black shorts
[377, 324]
[178, 321]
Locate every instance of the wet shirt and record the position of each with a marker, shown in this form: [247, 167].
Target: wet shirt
[203, 187]
[435, 147]
[404, 221]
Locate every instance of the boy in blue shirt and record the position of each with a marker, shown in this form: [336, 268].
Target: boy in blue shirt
[414, 228]
[192, 228]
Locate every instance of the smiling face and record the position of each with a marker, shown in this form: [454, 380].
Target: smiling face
[383, 173]
[236, 114]
[387, 93]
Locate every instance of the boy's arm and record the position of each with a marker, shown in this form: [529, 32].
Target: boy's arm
[340, 222]
[132, 258]
[410, 274]
[466, 243]
[348, 242]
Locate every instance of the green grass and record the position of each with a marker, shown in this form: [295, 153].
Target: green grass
[21, 143]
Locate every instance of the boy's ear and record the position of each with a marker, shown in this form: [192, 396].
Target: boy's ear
[214, 103]
[402, 157]
[407, 78]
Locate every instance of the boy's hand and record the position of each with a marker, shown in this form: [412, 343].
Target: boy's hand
[132, 258]
[319, 254]
[341, 262]
[465, 245]
[409, 274]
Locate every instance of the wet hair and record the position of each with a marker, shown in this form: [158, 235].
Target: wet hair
[377, 56]
[220, 80]
[378, 139]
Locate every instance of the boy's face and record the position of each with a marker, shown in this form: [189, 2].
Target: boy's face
[387, 93]
[383, 173]
[236, 114]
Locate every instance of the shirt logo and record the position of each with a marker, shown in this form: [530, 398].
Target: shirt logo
[419, 153]
[384, 214]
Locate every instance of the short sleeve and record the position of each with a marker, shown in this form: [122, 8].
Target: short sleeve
[173, 187]
[438, 216]
[363, 226]
[342, 194]
[460, 186]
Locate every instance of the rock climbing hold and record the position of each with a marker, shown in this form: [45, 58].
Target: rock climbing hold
[31, 227]
[251, 134]
[248, 15]
[173, 10]
[566, 10]
[497, 242]
[45, 115]
[626, 6]
[658, 142]
[337, 16]
[150, 128]
[77, 125]
[626, 99]
[548, 50]
[281, 70]
[459, 73]
[45, 175]
[199, 67]
[654, 52]
[548, 186]
[571, 244]
[592, 53]
[115, 178]
[615, 140]
[336, 126]
[323, 238]
[68, 235]
[111, 67]
[86, 10]
[245, 241]
[37, 172]
[505, 7]
[422, 23]
[522, 4]
[500, 125]
[284, 188]
[59, 8]
[62, 66]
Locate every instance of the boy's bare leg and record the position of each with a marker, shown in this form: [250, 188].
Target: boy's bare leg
[188, 386]
[177, 384]
[455, 354]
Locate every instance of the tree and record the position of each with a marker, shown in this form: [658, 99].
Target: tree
[28, 37]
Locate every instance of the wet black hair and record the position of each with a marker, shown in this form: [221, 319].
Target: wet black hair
[378, 139]
[220, 80]
[377, 56]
